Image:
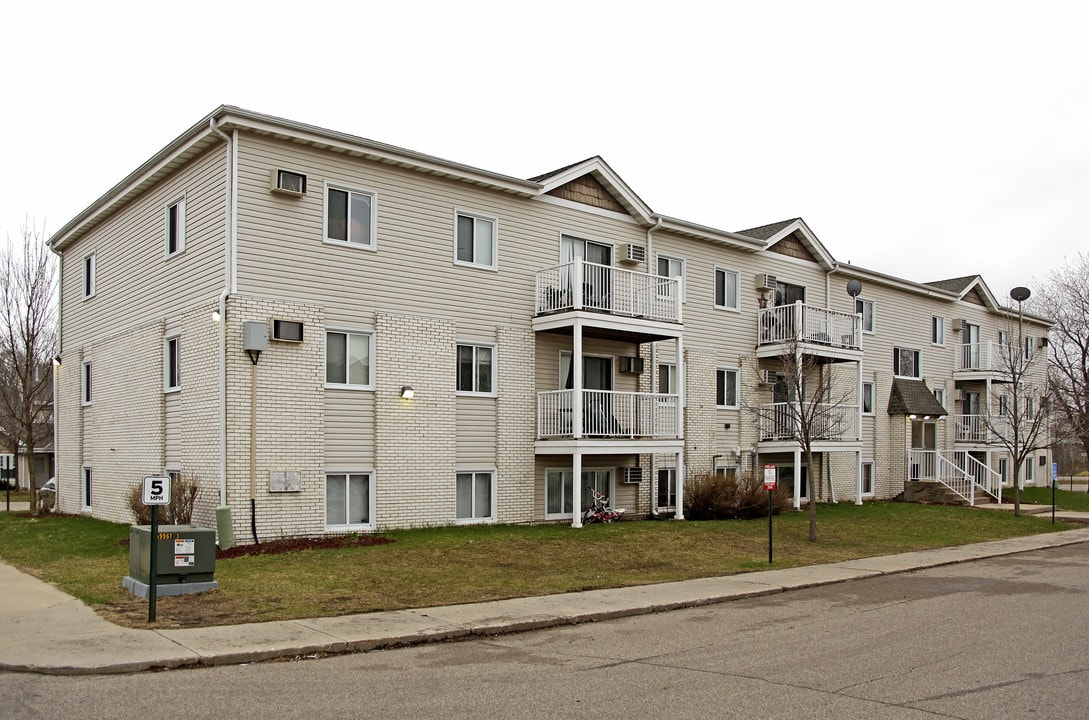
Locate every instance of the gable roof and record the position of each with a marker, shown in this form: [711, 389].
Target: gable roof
[913, 397]
[795, 227]
[597, 168]
[970, 288]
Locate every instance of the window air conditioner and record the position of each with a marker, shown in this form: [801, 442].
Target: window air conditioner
[765, 281]
[769, 377]
[287, 182]
[632, 475]
[287, 331]
[958, 325]
[1041, 342]
[631, 365]
[634, 253]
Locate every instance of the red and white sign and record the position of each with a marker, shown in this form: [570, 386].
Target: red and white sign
[769, 477]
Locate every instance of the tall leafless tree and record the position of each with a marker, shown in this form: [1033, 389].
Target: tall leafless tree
[1064, 298]
[28, 282]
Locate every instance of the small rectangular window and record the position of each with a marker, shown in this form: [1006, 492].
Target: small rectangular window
[726, 388]
[474, 495]
[667, 487]
[348, 500]
[667, 378]
[1030, 347]
[727, 290]
[937, 330]
[939, 395]
[476, 369]
[350, 217]
[85, 488]
[175, 227]
[867, 478]
[867, 398]
[905, 362]
[89, 283]
[348, 359]
[85, 383]
[669, 267]
[865, 309]
[475, 242]
[171, 365]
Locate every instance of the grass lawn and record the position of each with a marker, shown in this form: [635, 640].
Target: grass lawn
[442, 566]
[1077, 500]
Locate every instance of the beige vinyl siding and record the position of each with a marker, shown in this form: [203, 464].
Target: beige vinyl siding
[135, 282]
[476, 432]
[349, 428]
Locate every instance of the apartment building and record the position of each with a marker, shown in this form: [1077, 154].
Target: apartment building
[331, 334]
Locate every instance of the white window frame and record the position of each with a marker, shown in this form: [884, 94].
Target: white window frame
[371, 357]
[670, 369]
[675, 268]
[871, 386]
[937, 330]
[918, 358]
[90, 280]
[939, 395]
[172, 363]
[1030, 408]
[341, 527]
[476, 346]
[1029, 350]
[860, 307]
[726, 467]
[86, 384]
[610, 475]
[179, 231]
[1003, 405]
[372, 226]
[1029, 474]
[476, 218]
[671, 483]
[867, 466]
[724, 372]
[1004, 471]
[726, 274]
[475, 519]
[86, 488]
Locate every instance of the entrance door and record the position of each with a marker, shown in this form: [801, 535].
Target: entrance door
[973, 420]
[924, 437]
[787, 294]
[596, 280]
[597, 382]
[971, 357]
[786, 479]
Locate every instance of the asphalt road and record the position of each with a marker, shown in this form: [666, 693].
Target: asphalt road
[1001, 638]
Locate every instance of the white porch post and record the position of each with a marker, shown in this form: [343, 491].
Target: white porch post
[679, 464]
[576, 489]
[576, 381]
[681, 393]
[858, 497]
[798, 478]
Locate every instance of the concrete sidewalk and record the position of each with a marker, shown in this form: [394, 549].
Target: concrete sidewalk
[46, 631]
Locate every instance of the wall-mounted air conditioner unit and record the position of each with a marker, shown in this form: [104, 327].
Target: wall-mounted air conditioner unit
[631, 475]
[958, 325]
[769, 377]
[765, 281]
[1041, 343]
[634, 253]
[287, 331]
[287, 182]
[632, 365]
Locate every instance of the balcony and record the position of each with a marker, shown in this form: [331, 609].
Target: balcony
[975, 429]
[608, 414]
[819, 331]
[618, 303]
[834, 423]
[984, 359]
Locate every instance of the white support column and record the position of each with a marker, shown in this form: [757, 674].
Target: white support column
[576, 489]
[858, 496]
[576, 381]
[681, 392]
[679, 464]
[798, 478]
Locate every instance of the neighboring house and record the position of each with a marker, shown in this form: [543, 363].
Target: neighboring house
[450, 345]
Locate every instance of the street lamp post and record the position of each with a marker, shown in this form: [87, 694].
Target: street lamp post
[1020, 294]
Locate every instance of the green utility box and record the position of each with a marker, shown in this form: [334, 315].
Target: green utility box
[185, 554]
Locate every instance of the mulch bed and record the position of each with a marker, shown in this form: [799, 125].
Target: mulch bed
[275, 547]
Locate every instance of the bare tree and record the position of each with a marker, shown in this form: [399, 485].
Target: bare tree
[814, 408]
[1021, 397]
[27, 343]
[1065, 300]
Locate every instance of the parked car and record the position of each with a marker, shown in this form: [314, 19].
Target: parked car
[49, 487]
[47, 495]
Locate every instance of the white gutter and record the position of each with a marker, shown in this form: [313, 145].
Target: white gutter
[228, 288]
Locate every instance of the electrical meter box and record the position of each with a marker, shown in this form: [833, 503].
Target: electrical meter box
[185, 554]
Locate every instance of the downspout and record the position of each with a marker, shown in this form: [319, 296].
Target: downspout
[228, 288]
[56, 369]
[828, 306]
[653, 369]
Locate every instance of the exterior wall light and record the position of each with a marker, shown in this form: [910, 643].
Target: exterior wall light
[407, 393]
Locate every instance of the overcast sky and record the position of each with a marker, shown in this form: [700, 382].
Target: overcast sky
[926, 140]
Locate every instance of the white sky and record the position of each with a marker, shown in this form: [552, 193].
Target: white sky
[927, 140]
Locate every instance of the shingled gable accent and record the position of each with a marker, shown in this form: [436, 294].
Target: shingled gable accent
[792, 246]
[588, 190]
[913, 397]
[974, 297]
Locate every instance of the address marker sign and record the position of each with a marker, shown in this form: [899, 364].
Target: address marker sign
[157, 490]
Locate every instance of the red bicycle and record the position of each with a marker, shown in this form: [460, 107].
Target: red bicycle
[599, 510]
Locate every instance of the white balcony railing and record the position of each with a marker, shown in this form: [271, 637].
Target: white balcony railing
[963, 474]
[779, 421]
[609, 414]
[983, 429]
[984, 357]
[808, 324]
[581, 285]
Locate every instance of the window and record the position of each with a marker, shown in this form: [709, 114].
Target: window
[1030, 408]
[667, 378]
[937, 330]
[726, 387]
[939, 395]
[89, 284]
[350, 217]
[867, 398]
[867, 478]
[865, 309]
[670, 267]
[727, 471]
[1030, 347]
[1030, 470]
[171, 364]
[348, 359]
[349, 502]
[85, 488]
[667, 487]
[175, 227]
[1004, 471]
[475, 240]
[558, 489]
[905, 362]
[474, 496]
[727, 292]
[85, 383]
[1004, 405]
[476, 369]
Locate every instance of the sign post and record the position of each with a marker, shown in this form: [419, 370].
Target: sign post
[1054, 484]
[769, 485]
[156, 493]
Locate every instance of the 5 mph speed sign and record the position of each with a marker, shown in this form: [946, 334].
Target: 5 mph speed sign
[157, 490]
